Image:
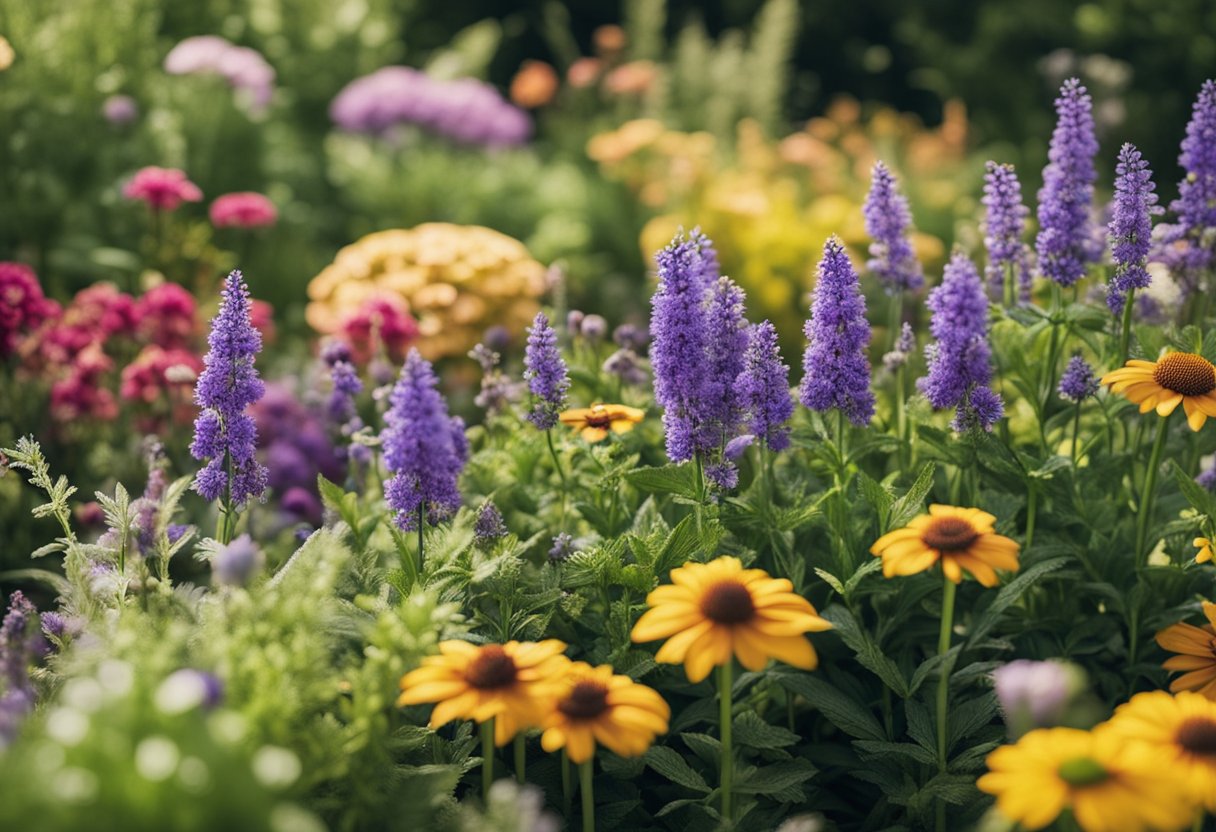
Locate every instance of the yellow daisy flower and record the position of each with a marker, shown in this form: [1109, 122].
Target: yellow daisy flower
[1111, 785]
[1176, 378]
[958, 538]
[1182, 727]
[594, 705]
[714, 610]
[1196, 649]
[1205, 552]
[510, 683]
[594, 423]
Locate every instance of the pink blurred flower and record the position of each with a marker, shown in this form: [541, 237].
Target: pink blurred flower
[80, 395]
[120, 110]
[244, 209]
[584, 72]
[166, 315]
[262, 315]
[95, 314]
[163, 377]
[244, 69]
[162, 188]
[23, 307]
[382, 321]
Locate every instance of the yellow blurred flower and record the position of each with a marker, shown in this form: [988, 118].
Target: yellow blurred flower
[957, 538]
[594, 705]
[6, 53]
[596, 422]
[1205, 552]
[1196, 649]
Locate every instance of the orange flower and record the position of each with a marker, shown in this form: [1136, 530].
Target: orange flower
[1176, 378]
[534, 85]
[1196, 649]
[596, 706]
[1205, 552]
[958, 538]
[594, 423]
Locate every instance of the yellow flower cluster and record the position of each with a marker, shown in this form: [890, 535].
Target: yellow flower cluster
[456, 279]
[766, 203]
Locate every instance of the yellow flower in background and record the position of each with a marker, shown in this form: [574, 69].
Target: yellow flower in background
[714, 611]
[1183, 728]
[1177, 378]
[1196, 649]
[957, 538]
[1110, 784]
[1205, 552]
[6, 53]
[596, 422]
[594, 705]
[457, 281]
[510, 683]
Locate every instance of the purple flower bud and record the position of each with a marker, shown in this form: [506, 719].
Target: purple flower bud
[489, 525]
[176, 530]
[625, 365]
[631, 337]
[736, 447]
[1004, 224]
[1078, 382]
[497, 338]
[905, 345]
[1192, 241]
[723, 476]
[1068, 189]
[574, 323]
[1131, 227]
[563, 547]
[888, 220]
[545, 372]
[1036, 694]
[120, 110]
[1207, 478]
[237, 563]
[594, 328]
[763, 388]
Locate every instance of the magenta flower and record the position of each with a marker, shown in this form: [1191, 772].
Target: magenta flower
[166, 315]
[23, 307]
[162, 188]
[244, 209]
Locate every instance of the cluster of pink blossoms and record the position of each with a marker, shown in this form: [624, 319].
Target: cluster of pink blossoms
[381, 323]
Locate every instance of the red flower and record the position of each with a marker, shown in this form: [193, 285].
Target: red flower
[166, 315]
[382, 321]
[245, 209]
[23, 307]
[162, 188]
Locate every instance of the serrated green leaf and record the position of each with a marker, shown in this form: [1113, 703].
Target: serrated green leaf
[850, 716]
[753, 732]
[868, 652]
[665, 479]
[1009, 595]
[670, 764]
[912, 503]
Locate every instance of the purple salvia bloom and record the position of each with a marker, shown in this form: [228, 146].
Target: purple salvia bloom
[224, 434]
[705, 259]
[1207, 478]
[1195, 232]
[980, 409]
[736, 447]
[1078, 382]
[340, 408]
[725, 344]
[626, 365]
[1004, 223]
[21, 641]
[424, 448]
[763, 388]
[722, 475]
[677, 352]
[489, 525]
[888, 221]
[545, 373]
[1131, 227]
[563, 548]
[836, 369]
[905, 345]
[1068, 189]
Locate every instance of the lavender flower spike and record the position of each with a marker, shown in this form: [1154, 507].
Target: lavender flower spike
[1131, 227]
[546, 374]
[887, 221]
[726, 342]
[1078, 382]
[424, 448]
[1195, 232]
[1004, 223]
[1068, 188]
[763, 388]
[224, 434]
[836, 369]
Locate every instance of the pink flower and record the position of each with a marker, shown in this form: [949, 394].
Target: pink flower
[262, 315]
[163, 377]
[166, 315]
[93, 316]
[380, 322]
[245, 209]
[162, 188]
[244, 69]
[80, 395]
[23, 307]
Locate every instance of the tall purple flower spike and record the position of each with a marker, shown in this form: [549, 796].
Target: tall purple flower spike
[1004, 224]
[1063, 244]
[888, 221]
[545, 372]
[726, 342]
[763, 388]
[1191, 242]
[1131, 227]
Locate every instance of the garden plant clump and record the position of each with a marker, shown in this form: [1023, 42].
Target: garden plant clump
[451, 536]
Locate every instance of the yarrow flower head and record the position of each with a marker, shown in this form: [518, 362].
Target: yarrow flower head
[244, 209]
[836, 369]
[1078, 382]
[887, 221]
[1068, 188]
[1131, 227]
[1004, 224]
[424, 448]
[545, 372]
[163, 189]
[224, 434]
[763, 388]
[1195, 232]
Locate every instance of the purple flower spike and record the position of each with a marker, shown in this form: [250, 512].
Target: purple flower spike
[726, 342]
[1131, 227]
[1207, 477]
[887, 221]
[836, 369]
[424, 448]
[763, 388]
[1078, 382]
[1004, 224]
[1193, 238]
[1063, 244]
[224, 434]
[545, 373]
[705, 259]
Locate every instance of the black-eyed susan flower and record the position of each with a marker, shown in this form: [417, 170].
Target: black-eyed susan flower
[1196, 649]
[713, 611]
[510, 683]
[1110, 784]
[957, 538]
[1205, 552]
[594, 423]
[1176, 378]
[1183, 728]
[594, 705]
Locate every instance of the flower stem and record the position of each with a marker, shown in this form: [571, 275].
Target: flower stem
[1076, 433]
[567, 785]
[588, 795]
[725, 683]
[1125, 329]
[1008, 285]
[1197, 826]
[561, 474]
[1053, 351]
[1146, 497]
[943, 686]
[699, 508]
[487, 758]
[521, 758]
[421, 528]
[1032, 504]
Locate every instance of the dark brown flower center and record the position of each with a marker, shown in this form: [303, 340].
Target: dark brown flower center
[949, 534]
[1198, 736]
[728, 602]
[598, 418]
[1186, 373]
[492, 668]
[587, 700]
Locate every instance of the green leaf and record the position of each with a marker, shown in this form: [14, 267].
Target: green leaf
[1199, 497]
[753, 732]
[830, 579]
[868, 652]
[847, 714]
[910, 750]
[667, 479]
[707, 748]
[911, 504]
[776, 780]
[670, 764]
[879, 498]
[1009, 595]
[684, 544]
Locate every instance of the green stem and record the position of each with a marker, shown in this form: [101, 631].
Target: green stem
[421, 527]
[943, 686]
[726, 783]
[487, 758]
[1125, 328]
[521, 758]
[1032, 504]
[567, 785]
[1053, 352]
[1146, 497]
[561, 474]
[1076, 434]
[901, 416]
[588, 795]
[1197, 826]
[699, 508]
[1010, 289]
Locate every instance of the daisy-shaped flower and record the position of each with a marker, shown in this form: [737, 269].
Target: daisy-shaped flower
[596, 422]
[594, 705]
[510, 683]
[957, 538]
[1196, 649]
[1176, 378]
[713, 611]
[1205, 552]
